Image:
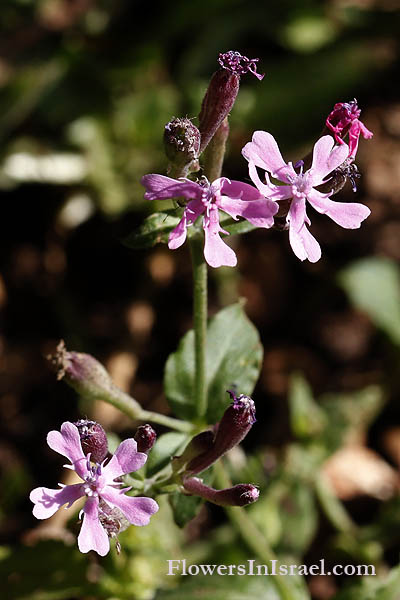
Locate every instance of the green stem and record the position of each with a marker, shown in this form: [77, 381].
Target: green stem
[130, 407]
[252, 537]
[215, 152]
[199, 324]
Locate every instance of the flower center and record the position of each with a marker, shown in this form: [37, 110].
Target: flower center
[94, 480]
[300, 184]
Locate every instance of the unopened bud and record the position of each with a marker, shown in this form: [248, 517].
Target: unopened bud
[222, 91]
[238, 495]
[89, 378]
[233, 427]
[93, 439]
[145, 438]
[181, 142]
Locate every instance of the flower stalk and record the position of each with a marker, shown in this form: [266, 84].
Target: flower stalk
[199, 325]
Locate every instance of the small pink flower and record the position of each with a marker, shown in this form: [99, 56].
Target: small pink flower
[233, 197]
[98, 486]
[344, 119]
[263, 152]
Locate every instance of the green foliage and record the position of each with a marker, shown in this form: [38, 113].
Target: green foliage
[166, 446]
[221, 588]
[374, 588]
[373, 286]
[155, 228]
[233, 356]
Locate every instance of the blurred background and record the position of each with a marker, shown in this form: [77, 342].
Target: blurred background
[86, 89]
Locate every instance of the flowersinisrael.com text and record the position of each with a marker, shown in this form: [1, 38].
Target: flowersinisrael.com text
[180, 567]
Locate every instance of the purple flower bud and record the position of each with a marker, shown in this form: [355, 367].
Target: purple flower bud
[145, 437]
[82, 372]
[181, 142]
[233, 427]
[238, 495]
[93, 439]
[222, 91]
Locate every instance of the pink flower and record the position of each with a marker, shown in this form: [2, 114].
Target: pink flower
[99, 486]
[263, 152]
[344, 120]
[233, 197]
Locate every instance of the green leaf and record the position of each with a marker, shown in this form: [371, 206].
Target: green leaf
[373, 588]
[218, 587]
[155, 228]
[306, 416]
[233, 356]
[166, 446]
[48, 571]
[373, 285]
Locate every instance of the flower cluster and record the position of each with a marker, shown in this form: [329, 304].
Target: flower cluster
[107, 508]
[332, 165]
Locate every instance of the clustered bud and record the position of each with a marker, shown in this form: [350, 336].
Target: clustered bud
[93, 439]
[145, 438]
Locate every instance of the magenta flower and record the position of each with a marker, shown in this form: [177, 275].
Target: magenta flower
[263, 152]
[99, 486]
[344, 120]
[233, 197]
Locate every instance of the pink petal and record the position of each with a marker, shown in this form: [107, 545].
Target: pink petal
[264, 152]
[48, 501]
[159, 187]
[92, 535]
[348, 215]
[303, 244]
[326, 159]
[216, 252]
[68, 444]
[125, 460]
[234, 189]
[268, 190]
[178, 235]
[259, 212]
[137, 510]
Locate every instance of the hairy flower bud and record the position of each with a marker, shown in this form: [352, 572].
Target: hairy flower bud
[222, 91]
[93, 439]
[145, 438]
[89, 378]
[181, 142]
[238, 495]
[233, 427]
